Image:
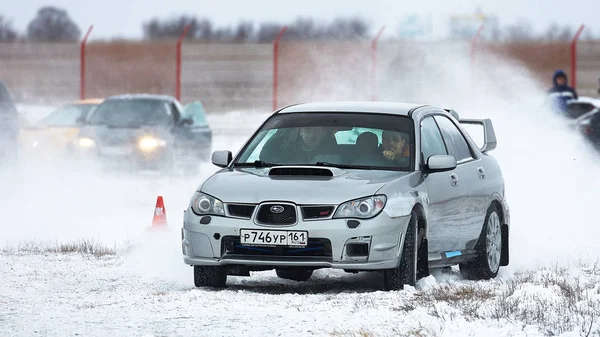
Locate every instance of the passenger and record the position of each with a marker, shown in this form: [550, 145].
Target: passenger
[395, 147]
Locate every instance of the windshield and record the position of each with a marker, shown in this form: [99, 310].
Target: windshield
[130, 112]
[68, 115]
[346, 140]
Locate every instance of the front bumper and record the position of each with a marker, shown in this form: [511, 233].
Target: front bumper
[374, 244]
[125, 157]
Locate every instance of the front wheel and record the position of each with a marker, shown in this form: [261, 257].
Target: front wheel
[489, 250]
[406, 272]
[208, 276]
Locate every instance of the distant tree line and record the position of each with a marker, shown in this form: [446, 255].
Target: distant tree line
[53, 24]
[246, 31]
[50, 24]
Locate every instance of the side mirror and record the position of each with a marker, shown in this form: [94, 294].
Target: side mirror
[440, 163]
[186, 121]
[221, 158]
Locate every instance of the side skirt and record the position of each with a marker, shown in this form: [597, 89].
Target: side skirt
[447, 259]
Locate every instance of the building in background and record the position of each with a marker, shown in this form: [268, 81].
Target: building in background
[465, 26]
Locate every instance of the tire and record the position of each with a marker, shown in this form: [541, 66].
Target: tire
[205, 276]
[489, 250]
[406, 272]
[299, 275]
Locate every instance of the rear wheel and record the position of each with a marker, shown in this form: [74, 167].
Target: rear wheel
[489, 249]
[207, 276]
[299, 275]
[406, 272]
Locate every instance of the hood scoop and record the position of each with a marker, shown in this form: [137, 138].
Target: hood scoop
[300, 171]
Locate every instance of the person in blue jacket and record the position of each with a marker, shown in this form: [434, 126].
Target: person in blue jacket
[561, 93]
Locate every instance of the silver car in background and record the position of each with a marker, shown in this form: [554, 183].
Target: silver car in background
[360, 186]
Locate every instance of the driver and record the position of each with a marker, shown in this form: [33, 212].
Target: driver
[310, 142]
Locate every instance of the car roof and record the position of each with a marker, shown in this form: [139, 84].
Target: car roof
[143, 96]
[396, 108]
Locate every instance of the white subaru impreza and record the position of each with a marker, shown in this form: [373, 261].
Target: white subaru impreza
[360, 186]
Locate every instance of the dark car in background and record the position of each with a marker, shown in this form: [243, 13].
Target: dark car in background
[585, 118]
[9, 128]
[146, 132]
[590, 128]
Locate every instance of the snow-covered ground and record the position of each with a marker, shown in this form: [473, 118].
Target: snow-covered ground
[551, 286]
[148, 293]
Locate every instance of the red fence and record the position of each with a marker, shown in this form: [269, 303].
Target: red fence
[264, 76]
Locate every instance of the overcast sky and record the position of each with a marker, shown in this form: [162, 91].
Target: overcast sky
[124, 18]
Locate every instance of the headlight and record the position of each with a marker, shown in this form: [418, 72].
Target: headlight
[86, 143]
[203, 204]
[362, 208]
[150, 143]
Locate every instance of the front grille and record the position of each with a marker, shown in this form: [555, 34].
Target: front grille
[240, 210]
[316, 212]
[315, 248]
[266, 214]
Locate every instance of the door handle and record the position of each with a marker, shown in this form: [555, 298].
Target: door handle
[453, 179]
[481, 172]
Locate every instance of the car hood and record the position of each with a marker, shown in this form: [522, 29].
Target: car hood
[48, 137]
[254, 185]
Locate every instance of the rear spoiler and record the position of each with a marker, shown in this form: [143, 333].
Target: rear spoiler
[489, 136]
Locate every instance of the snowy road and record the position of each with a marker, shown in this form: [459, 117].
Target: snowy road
[550, 288]
[67, 295]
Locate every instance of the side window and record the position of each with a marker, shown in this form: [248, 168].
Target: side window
[195, 111]
[455, 142]
[431, 140]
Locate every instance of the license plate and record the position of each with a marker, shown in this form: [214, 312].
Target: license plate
[259, 237]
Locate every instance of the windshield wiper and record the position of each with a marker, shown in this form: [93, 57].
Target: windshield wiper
[328, 164]
[256, 163]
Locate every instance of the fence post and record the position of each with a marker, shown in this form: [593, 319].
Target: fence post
[178, 63]
[574, 56]
[374, 64]
[82, 63]
[276, 65]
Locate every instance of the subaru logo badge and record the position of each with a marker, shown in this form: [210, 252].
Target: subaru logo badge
[276, 209]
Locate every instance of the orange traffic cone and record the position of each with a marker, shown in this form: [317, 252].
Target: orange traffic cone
[159, 220]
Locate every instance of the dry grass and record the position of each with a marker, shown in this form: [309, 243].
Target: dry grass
[454, 293]
[567, 305]
[555, 299]
[360, 333]
[81, 246]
